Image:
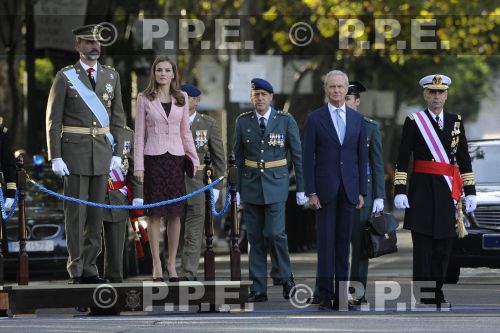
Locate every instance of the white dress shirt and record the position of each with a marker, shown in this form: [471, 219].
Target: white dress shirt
[265, 116]
[85, 67]
[333, 115]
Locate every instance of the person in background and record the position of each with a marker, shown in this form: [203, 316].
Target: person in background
[122, 185]
[7, 166]
[207, 137]
[164, 152]
[374, 201]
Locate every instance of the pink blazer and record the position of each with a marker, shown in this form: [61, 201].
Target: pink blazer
[155, 134]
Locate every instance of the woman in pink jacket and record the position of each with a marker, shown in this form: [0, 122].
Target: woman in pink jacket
[162, 142]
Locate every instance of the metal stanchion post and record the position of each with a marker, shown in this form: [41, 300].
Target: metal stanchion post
[209, 255]
[235, 225]
[23, 273]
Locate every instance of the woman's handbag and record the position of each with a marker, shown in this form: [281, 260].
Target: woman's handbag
[379, 236]
[188, 167]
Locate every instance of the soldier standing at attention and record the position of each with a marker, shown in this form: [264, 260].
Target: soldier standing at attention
[207, 137]
[85, 121]
[437, 141]
[123, 189]
[7, 165]
[263, 138]
[374, 192]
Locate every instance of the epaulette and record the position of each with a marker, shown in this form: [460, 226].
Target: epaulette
[411, 116]
[283, 113]
[207, 118]
[69, 66]
[245, 114]
[370, 120]
[109, 67]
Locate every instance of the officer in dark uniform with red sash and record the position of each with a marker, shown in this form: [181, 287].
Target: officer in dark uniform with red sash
[442, 169]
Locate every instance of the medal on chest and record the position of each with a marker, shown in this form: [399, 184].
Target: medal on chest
[201, 138]
[276, 139]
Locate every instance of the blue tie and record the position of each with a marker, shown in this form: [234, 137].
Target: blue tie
[340, 125]
[262, 125]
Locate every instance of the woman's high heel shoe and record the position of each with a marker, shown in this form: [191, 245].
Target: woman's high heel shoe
[158, 279]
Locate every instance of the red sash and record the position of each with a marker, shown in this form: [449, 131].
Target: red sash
[444, 169]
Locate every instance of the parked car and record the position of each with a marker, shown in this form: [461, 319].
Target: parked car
[45, 232]
[481, 247]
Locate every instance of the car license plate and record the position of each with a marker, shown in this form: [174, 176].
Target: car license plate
[33, 246]
[491, 242]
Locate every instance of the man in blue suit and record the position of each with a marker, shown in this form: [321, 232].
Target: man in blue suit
[334, 162]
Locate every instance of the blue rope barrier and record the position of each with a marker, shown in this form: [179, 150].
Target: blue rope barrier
[152, 205]
[6, 216]
[220, 214]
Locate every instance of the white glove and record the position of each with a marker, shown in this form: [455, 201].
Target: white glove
[137, 202]
[238, 202]
[401, 201]
[470, 203]
[301, 198]
[378, 205]
[59, 167]
[216, 194]
[116, 163]
[8, 203]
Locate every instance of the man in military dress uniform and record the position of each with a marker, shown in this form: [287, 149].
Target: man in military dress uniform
[85, 121]
[437, 141]
[7, 165]
[375, 191]
[207, 137]
[263, 139]
[122, 186]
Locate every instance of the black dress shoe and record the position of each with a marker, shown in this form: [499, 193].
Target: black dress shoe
[325, 305]
[359, 301]
[255, 297]
[288, 288]
[314, 300]
[75, 280]
[173, 279]
[94, 279]
[158, 279]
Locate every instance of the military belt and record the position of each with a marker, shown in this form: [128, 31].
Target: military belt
[265, 164]
[86, 130]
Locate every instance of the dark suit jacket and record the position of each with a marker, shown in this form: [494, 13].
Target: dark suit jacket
[327, 163]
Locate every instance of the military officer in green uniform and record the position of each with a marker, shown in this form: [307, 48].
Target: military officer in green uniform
[375, 192]
[263, 138]
[85, 121]
[122, 185]
[7, 166]
[207, 137]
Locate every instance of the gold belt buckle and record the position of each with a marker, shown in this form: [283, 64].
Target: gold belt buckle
[94, 131]
[261, 165]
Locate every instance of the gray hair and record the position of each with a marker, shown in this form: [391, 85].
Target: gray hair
[334, 73]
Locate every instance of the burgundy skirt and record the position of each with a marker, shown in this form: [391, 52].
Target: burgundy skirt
[164, 180]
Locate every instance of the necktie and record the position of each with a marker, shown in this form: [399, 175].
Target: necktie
[262, 125]
[340, 125]
[91, 77]
[438, 121]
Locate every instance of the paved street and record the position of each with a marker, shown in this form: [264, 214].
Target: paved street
[475, 300]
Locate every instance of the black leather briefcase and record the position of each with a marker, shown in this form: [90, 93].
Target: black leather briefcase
[379, 236]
